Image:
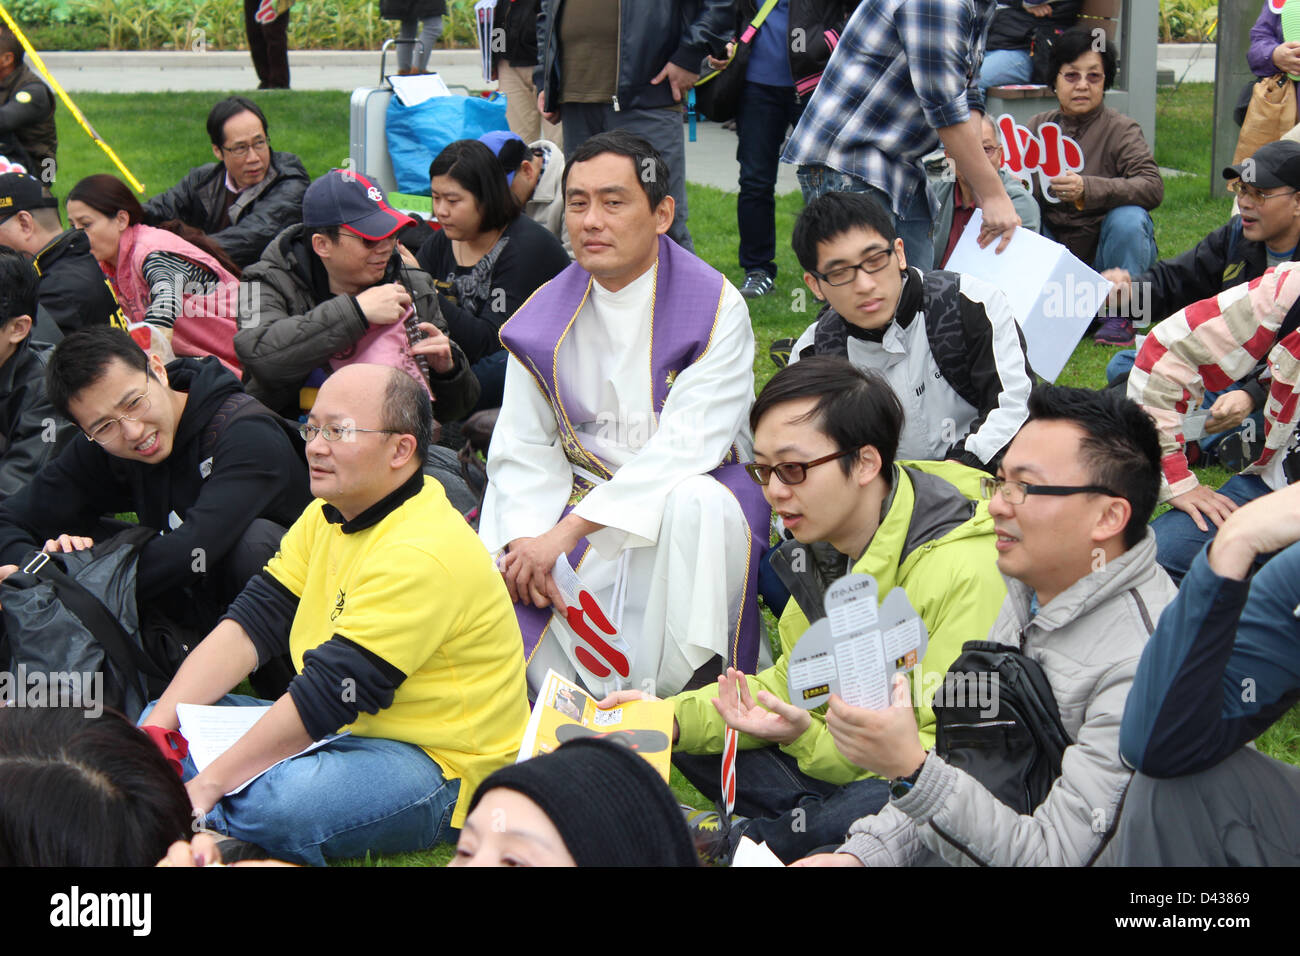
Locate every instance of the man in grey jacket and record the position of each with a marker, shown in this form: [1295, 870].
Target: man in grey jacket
[322, 285]
[1070, 508]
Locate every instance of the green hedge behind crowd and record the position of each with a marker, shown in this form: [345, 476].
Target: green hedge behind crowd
[330, 24]
[218, 24]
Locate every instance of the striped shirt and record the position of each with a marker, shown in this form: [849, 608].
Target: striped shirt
[170, 279]
[902, 69]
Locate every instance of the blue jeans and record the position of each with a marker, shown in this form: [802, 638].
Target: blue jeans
[1128, 241]
[795, 814]
[352, 796]
[766, 112]
[1178, 540]
[1005, 68]
[913, 226]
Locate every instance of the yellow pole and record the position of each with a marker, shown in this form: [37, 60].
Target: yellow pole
[67, 100]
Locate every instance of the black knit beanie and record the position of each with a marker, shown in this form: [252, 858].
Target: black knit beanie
[610, 806]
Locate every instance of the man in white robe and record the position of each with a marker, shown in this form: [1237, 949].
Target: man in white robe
[648, 378]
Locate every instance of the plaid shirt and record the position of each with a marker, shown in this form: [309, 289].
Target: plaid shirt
[902, 69]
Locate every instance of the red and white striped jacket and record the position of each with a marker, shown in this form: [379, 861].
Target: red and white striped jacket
[1209, 345]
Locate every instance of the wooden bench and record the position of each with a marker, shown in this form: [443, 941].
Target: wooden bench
[1132, 25]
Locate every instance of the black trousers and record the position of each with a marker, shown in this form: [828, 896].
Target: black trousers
[269, 46]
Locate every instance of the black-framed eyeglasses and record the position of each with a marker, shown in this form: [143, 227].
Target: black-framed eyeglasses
[369, 243]
[1014, 492]
[111, 430]
[335, 432]
[241, 149]
[843, 275]
[791, 472]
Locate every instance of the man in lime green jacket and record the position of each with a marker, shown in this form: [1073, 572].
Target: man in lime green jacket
[914, 525]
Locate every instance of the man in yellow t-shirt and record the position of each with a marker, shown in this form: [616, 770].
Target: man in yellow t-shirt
[401, 633]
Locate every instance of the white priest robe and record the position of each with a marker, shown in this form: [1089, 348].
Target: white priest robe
[683, 534]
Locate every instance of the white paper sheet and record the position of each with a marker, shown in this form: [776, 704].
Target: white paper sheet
[749, 853]
[211, 731]
[414, 90]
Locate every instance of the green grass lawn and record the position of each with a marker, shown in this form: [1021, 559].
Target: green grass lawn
[160, 135]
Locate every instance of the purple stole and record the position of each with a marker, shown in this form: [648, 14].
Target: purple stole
[687, 296]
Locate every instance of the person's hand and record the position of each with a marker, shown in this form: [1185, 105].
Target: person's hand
[201, 851]
[6, 570]
[829, 859]
[384, 304]
[552, 117]
[1000, 219]
[679, 80]
[716, 64]
[1229, 410]
[886, 742]
[407, 256]
[775, 721]
[436, 348]
[1067, 187]
[1121, 281]
[1286, 57]
[204, 794]
[1201, 503]
[1258, 527]
[1039, 9]
[67, 543]
[527, 567]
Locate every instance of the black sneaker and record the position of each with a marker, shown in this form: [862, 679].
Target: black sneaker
[716, 836]
[779, 351]
[757, 283]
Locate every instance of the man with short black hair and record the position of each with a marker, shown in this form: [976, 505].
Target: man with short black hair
[30, 430]
[947, 343]
[26, 109]
[400, 632]
[327, 289]
[244, 199]
[183, 448]
[1070, 508]
[621, 436]
[825, 435]
[73, 291]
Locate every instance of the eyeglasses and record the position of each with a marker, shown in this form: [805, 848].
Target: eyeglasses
[791, 472]
[1014, 492]
[843, 275]
[991, 151]
[111, 430]
[1074, 76]
[241, 149]
[335, 432]
[368, 243]
[1239, 188]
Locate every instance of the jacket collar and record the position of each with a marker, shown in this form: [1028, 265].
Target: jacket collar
[70, 240]
[9, 371]
[380, 510]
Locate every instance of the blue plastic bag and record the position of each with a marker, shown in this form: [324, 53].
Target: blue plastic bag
[416, 134]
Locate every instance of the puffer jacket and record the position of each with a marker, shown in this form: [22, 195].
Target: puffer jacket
[31, 431]
[936, 543]
[256, 216]
[290, 326]
[650, 34]
[1088, 640]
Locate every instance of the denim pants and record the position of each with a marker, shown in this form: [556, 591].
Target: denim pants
[795, 814]
[913, 226]
[1005, 68]
[1178, 540]
[352, 796]
[1128, 241]
[766, 113]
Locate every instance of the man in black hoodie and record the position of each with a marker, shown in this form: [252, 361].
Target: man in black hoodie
[184, 448]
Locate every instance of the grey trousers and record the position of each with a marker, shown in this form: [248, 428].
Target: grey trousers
[661, 128]
[1244, 811]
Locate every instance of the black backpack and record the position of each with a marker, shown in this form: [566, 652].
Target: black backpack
[1014, 747]
[75, 614]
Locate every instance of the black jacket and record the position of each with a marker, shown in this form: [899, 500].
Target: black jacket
[518, 18]
[27, 115]
[198, 200]
[74, 290]
[816, 25]
[256, 471]
[411, 9]
[1223, 259]
[1013, 27]
[31, 431]
[650, 34]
